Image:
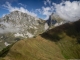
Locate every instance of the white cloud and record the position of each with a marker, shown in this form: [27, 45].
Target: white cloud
[38, 10]
[49, 2]
[8, 27]
[46, 11]
[45, 3]
[3, 15]
[22, 5]
[11, 8]
[68, 10]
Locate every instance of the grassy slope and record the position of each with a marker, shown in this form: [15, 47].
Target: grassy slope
[55, 44]
[35, 49]
[67, 37]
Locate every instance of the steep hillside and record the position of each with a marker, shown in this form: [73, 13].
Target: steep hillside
[34, 49]
[67, 37]
[60, 43]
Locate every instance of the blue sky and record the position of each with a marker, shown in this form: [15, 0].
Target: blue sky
[39, 8]
[30, 5]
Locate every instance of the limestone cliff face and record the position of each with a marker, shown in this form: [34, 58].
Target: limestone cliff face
[18, 25]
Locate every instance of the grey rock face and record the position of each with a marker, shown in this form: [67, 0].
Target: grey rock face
[54, 20]
[21, 23]
[17, 25]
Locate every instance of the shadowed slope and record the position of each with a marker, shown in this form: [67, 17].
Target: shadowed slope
[67, 36]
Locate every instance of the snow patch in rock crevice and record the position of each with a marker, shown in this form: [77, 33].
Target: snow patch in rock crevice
[6, 44]
[29, 35]
[46, 26]
[18, 34]
[35, 27]
[24, 35]
[30, 27]
[57, 24]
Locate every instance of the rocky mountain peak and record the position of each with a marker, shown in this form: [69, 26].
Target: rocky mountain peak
[17, 25]
[54, 20]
